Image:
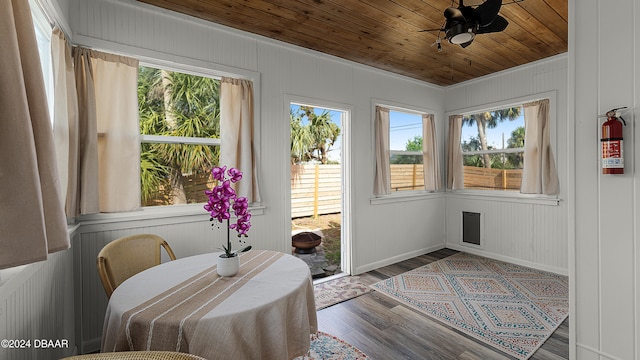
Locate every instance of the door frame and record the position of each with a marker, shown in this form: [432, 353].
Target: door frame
[346, 234]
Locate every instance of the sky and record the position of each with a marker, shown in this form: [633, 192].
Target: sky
[494, 136]
[402, 128]
[405, 126]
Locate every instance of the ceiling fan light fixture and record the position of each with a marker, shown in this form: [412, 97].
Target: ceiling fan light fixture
[460, 33]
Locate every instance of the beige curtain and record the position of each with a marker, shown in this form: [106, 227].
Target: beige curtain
[539, 174]
[430, 157]
[86, 195]
[455, 169]
[109, 134]
[382, 180]
[116, 87]
[65, 119]
[236, 129]
[32, 220]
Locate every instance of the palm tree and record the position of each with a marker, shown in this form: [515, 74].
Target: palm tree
[301, 139]
[516, 141]
[489, 119]
[314, 140]
[176, 104]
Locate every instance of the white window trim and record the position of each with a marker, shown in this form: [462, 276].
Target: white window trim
[162, 139]
[185, 65]
[512, 196]
[494, 151]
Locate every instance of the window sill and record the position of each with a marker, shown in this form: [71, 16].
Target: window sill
[9, 273]
[405, 196]
[156, 212]
[505, 196]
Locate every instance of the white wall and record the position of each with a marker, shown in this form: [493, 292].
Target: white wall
[37, 304]
[601, 212]
[381, 233]
[138, 30]
[530, 233]
[605, 253]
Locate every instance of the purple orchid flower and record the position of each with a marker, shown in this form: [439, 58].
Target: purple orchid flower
[218, 173]
[222, 198]
[235, 175]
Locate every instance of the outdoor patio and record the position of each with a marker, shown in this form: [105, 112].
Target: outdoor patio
[325, 261]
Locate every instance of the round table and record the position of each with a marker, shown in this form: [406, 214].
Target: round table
[266, 311]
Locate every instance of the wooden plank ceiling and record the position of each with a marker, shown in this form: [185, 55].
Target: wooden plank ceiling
[386, 34]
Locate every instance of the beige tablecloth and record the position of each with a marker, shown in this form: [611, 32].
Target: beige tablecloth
[266, 311]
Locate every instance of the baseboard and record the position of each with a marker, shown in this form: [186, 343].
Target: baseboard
[475, 251]
[397, 258]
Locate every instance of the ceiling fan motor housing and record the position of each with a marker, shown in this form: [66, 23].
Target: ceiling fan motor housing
[461, 33]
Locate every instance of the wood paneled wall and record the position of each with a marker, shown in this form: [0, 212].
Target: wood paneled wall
[532, 234]
[38, 303]
[381, 232]
[605, 236]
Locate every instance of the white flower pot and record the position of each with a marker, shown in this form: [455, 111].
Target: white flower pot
[228, 266]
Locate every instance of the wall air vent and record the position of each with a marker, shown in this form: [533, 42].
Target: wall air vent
[471, 228]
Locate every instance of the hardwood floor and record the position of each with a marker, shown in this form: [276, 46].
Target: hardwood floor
[384, 329]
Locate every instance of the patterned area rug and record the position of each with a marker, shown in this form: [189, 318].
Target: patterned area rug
[338, 290]
[329, 347]
[513, 308]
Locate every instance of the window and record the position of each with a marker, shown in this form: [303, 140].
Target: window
[43, 38]
[405, 151]
[180, 134]
[493, 149]
[405, 145]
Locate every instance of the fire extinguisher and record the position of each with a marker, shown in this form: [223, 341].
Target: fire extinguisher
[612, 143]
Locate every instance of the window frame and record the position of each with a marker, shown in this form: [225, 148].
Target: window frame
[404, 195]
[177, 140]
[190, 66]
[510, 195]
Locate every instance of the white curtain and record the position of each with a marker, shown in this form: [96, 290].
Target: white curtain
[32, 219]
[382, 180]
[236, 132]
[539, 174]
[430, 157]
[455, 169]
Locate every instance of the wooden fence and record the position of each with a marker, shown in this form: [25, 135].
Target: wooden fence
[406, 177]
[316, 189]
[491, 179]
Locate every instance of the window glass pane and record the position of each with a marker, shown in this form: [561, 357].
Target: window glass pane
[405, 131]
[43, 38]
[176, 173]
[177, 104]
[405, 134]
[406, 172]
[499, 129]
[482, 134]
[181, 105]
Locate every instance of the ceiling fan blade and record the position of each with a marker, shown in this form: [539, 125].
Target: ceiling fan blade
[498, 24]
[454, 14]
[487, 11]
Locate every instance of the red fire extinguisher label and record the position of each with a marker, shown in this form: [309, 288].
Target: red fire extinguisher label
[612, 154]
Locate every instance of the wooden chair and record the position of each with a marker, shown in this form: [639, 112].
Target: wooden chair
[127, 256]
[137, 355]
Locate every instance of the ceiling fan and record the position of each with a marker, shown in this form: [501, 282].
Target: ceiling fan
[464, 22]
